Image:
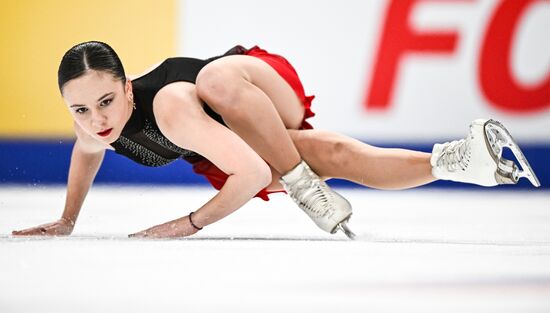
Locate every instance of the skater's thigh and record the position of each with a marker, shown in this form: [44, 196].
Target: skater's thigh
[263, 76]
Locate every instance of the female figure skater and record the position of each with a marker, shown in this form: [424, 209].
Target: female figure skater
[239, 119]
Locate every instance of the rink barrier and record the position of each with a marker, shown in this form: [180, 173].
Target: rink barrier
[46, 162]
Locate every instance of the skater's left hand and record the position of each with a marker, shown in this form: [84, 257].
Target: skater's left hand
[180, 227]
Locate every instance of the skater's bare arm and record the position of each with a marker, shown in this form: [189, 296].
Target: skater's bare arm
[85, 162]
[86, 159]
[248, 173]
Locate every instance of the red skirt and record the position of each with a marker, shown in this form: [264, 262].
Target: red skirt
[214, 175]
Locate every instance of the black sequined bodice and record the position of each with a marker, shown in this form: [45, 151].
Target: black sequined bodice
[150, 147]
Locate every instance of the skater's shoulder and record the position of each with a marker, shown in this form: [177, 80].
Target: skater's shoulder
[147, 71]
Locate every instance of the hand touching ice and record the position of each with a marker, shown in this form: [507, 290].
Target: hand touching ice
[61, 227]
[180, 227]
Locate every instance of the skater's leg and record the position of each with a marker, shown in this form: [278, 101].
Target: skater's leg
[477, 159]
[333, 155]
[257, 104]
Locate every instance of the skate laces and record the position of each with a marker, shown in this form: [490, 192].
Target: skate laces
[311, 194]
[455, 155]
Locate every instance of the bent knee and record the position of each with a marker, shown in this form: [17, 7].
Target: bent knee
[326, 147]
[336, 152]
[220, 86]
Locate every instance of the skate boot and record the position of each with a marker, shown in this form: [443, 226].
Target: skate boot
[329, 210]
[477, 159]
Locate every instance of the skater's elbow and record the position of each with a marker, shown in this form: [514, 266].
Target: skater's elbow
[258, 175]
[264, 176]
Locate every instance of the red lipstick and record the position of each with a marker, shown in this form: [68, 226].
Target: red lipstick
[105, 133]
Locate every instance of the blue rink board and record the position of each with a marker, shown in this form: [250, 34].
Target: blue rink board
[45, 162]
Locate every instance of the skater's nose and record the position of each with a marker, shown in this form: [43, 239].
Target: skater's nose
[99, 120]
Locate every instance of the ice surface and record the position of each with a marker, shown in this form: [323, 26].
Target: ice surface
[417, 251]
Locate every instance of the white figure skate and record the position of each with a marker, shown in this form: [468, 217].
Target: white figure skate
[477, 159]
[329, 210]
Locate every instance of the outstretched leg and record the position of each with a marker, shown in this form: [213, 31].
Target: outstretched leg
[477, 159]
[332, 155]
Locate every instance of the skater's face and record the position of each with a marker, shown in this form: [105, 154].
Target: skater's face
[99, 103]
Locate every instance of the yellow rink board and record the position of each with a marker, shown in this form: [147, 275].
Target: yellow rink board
[35, 34]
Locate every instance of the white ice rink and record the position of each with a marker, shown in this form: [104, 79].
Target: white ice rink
[417, 251]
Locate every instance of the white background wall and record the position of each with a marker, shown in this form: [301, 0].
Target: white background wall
[333, 45]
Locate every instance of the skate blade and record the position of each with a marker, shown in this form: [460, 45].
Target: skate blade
[503, 138]
[343, 226]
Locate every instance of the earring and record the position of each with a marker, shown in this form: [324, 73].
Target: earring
[132, 100]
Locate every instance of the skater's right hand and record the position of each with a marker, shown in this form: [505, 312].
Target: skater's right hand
[61, 227]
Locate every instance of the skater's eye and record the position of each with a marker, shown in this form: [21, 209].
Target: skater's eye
[81, 110]
[106, 102]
